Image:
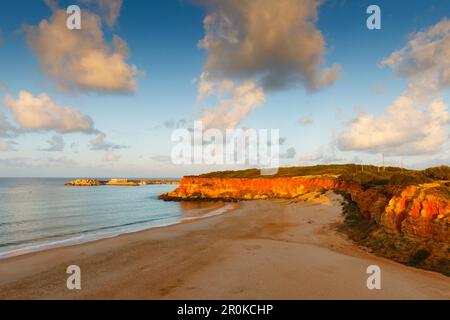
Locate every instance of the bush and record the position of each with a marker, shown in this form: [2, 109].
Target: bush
[438, 173]
[418, 257]
[407, 179]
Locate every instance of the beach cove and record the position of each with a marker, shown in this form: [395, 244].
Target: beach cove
[267, 249]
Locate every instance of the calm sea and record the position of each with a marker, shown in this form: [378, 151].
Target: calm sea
[42, 213]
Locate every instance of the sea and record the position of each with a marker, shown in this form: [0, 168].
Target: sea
[40, 213]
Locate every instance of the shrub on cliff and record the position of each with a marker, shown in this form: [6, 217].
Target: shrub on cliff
[438, 173]
[408, 179]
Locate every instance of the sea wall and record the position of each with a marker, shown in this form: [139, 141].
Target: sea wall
[420, 211]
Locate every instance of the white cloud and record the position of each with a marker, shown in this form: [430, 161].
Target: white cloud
[274, 43]
[110, 10]
[405, 129]
[41, 113]
[235, 104]
[416, 123]
[7, 130]
[425, 60]
[56, 144]
[82, 59]
[99, 143]
[289, 154]
[52, 4]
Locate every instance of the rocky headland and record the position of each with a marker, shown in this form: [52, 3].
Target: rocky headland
[117, 182]
[401, 214]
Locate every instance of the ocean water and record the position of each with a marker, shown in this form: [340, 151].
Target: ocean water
[41, 213]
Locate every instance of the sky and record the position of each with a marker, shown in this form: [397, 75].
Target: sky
[104, 101]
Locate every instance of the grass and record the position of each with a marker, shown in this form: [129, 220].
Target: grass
[355, 225]
[368, 176]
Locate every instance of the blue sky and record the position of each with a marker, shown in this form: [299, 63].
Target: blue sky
[163, 37]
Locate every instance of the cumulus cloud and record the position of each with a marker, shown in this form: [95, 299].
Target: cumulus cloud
[424, 60]
[289, 154]
[247, 39]
[56, 144]
[238, 102]
[110, 10]
[41, 113]
[99, 143]
[82, 59]
[404, 129]
[52, 4]
[7, 130]
[416, 123]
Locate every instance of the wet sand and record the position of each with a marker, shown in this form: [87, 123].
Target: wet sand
[271, 249]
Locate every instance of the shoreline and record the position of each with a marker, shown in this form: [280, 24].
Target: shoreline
[268, 249]
[36, 248]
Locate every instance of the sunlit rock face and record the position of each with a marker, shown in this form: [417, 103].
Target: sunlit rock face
[194, 188]
[420, 211]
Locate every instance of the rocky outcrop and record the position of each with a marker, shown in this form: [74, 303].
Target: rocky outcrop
[83, 183]
[117, 182]
[196, 188]
[420, 211]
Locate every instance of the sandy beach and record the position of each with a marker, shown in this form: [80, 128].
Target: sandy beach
[271, 249]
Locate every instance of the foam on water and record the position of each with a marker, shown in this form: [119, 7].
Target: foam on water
[38, 214]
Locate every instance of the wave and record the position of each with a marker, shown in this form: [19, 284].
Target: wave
[100, 233]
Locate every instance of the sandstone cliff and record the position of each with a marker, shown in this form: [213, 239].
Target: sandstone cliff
[420, 211]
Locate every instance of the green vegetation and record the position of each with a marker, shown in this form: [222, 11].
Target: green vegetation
[368, 176]
[333, 169]
[355, 225]
[418, 257]
[438, 173]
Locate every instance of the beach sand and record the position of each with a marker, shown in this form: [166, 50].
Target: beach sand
[271, 249]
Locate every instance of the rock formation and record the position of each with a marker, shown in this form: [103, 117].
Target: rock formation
[420, 211]
[83, 183]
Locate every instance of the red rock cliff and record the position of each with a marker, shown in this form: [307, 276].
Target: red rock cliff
[419, 211]
[422, 211]
[195, 188]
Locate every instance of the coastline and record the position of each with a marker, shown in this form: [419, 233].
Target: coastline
[268, 249]
[211, 210]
